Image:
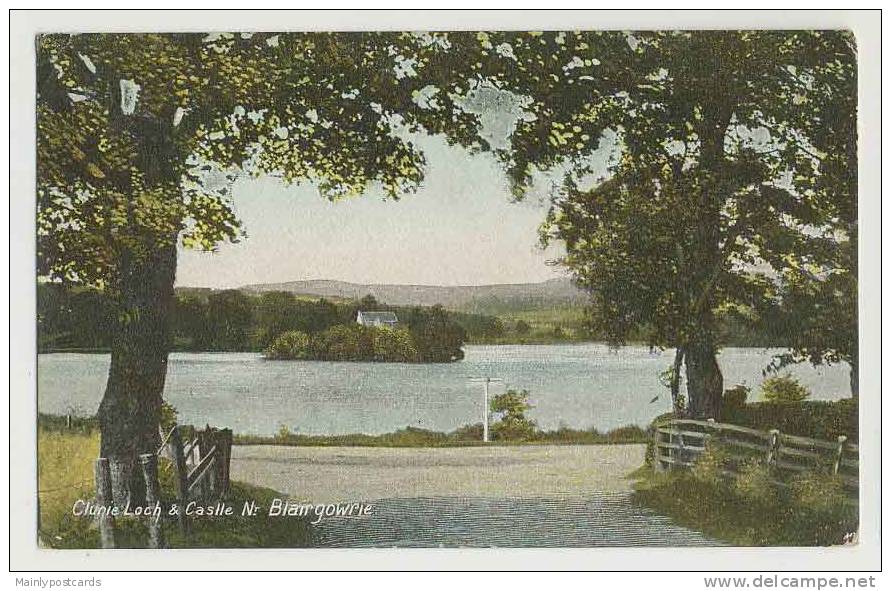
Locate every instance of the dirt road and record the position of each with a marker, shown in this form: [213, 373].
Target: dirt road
[341, 474]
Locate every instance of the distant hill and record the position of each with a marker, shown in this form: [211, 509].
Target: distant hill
[490, 299]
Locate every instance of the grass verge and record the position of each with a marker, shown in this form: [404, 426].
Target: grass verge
[65, 474]
[745, 512]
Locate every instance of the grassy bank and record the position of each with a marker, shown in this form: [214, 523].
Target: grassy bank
[748, 510]
[65, 474]
[469, 435]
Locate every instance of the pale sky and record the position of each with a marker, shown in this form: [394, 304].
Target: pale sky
[460, 228]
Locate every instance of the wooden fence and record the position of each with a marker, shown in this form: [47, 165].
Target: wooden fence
[200, 468]
[678, 443]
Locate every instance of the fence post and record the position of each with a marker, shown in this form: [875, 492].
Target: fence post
[682, 449]
[210, 477]
[153, 497]
[838, 453]
[773, 450]
[104, 500]
[180, 480]
[225, 446]
[205, 444]
[657, 462]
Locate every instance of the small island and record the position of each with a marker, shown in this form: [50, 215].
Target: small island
[429, 336]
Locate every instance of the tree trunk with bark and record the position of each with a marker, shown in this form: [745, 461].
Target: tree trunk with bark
[677, 405]
[705, 383]
[130, 411]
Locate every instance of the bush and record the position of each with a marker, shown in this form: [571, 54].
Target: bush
[289, 345]
[710, 468]
[820, 419]
[754, 483]
[784, 389]
[735, 398]
[513, 424]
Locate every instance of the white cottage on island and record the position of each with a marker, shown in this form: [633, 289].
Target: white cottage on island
[377, 318]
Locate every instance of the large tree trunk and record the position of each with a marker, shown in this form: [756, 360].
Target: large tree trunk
[129, 414]
[678, 406]
[705, 384]
[855, 378]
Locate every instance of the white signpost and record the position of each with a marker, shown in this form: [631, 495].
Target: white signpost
[486, 381]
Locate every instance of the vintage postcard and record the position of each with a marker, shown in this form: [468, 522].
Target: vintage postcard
[449, 287]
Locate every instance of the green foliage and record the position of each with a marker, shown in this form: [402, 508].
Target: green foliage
[81, 319]
[393, 345]
[747, 512]
[754, 483]
[783, 389]
[735, 398]
[135, 131]
[350, 342]
[818, 419]
[819, 493]
[465, 435]
[229, 320]
[711, 465]
[65, 474]
[436, 336]
[169, 416]
[693, 220]
[73, 318]
[346, 342]
[283, 434]
[289, 345]
[510, 410]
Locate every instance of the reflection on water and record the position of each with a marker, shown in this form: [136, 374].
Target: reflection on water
[601, 521]
[578, 385]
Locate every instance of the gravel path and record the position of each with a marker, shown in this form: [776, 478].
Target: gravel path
[342, 474]
[530, 496]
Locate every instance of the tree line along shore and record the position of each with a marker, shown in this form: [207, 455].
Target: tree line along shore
[82, 319]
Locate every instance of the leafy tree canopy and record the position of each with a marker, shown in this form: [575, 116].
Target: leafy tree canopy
[730, 180]
[140, 136]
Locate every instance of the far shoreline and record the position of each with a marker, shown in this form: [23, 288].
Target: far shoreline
[473, 344]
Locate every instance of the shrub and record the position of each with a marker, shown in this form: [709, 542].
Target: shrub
[754, 483]
[284, 433]
[511, 408]
[784, 389]
[289, 345]
[735, 398]
[711, 466]
[820, 419]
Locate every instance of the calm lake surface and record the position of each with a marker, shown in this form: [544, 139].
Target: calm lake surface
[576, 385]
